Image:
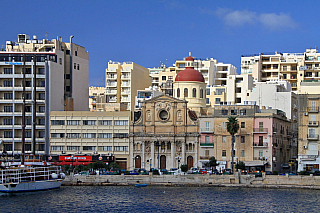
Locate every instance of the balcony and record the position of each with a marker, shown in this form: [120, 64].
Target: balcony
[313, 137]
[313, 109]
[206, 145]
[260, 130]
[206, 130]
[313, 123]
[260, 144]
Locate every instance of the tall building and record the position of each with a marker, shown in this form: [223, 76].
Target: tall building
[56, 76]
[123, 80]
[291, 67]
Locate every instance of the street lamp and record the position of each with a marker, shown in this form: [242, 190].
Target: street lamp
[134, 163]
[150, 164]
[237, 162]
[158, 145]
[178, 158]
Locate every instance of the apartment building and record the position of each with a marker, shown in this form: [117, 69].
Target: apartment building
[145, 94]
[291, 67]
[91, 133]
[123, 80]
[308, 150]
[206, 139]
[56, 76]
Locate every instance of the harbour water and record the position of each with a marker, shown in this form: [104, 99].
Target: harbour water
[162, 199]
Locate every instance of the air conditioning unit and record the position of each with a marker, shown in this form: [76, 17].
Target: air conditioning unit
[305, 147]
[63, 152]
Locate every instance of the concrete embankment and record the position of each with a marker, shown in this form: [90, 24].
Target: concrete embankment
[269, 181]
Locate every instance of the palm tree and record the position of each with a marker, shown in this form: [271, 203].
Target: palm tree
[232, 128]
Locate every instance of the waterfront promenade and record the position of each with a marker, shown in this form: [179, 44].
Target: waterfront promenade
[236, 180]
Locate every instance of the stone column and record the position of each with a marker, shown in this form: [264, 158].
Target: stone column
[152, 154]
[143, 156]
[173, 154]
[131, 155]
[183, 157]
[196, 154]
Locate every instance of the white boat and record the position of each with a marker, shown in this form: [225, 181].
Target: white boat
[27, 179]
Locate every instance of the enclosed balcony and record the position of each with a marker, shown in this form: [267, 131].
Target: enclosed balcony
[313, 137]
[313, 123]
[313, 109]
[260, 130]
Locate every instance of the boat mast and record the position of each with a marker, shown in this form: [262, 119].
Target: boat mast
[34, 105]
[23, 109]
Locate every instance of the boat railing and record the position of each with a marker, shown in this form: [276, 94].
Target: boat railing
[17, 175]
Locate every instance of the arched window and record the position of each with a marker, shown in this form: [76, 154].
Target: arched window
[178, 93]
[201, 93]
[185, 92]
[194, 93]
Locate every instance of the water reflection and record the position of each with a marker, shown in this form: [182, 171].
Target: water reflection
[162, 199]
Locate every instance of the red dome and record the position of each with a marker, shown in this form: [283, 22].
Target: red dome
[189, 58]
[189, 74]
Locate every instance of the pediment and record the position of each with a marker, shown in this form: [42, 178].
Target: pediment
[165, 98]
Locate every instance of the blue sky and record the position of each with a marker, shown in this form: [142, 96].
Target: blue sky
[149, 31]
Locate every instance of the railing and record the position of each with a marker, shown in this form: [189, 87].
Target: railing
[207, 144]
[260, 130]
[313, 137]
[260, 144]
[313, 109]
[313, 123]
[206, 130]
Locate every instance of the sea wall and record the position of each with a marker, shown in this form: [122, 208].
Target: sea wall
[199, 180]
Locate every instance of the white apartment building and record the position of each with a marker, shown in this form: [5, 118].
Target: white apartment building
[91, 133]
[291, 67]
[123, 80]
[145, 94]
[56, 76]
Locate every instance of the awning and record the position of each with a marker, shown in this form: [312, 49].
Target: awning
[255, 163]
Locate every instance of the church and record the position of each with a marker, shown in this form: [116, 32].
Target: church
[165, 132]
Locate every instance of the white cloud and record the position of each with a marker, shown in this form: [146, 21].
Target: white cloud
[271, 21]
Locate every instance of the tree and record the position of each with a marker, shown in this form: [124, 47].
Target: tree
[241, 165]
[113, 166]
[212, 163]
[232, 128]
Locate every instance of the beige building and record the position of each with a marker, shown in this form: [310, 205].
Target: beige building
[91, 133]
[308, 149]
[292, 67]
[56, 75]
[123, 80]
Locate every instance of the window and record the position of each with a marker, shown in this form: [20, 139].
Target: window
[312, 133]
[208, 91]
[28, 70]
[121, 148]
[8, 96]
[243, 139]
[224, 125]
[42, 108]
[120, 135]
[243, 124]
[260, 153]
[7, 121]
[7, 108]
[313, 105]
[218, 100]
[60, 61]
[224, 153]
[185, 92]
[284, 76]
[206, 153]
[42, 96]
[67, 76]
[89, 122]
[28, 134]
[89, 135]
[7, 70]
[41, 84]
[201, 93]
[57, 135]
[57, 122]
[57, 148]
[76, 53]
[105, 123]
[178, 92]
[121, 123]
[105, 148]
[78, 66]
[28, 108]
[243, 112]
[41, 71]
[89, 148]
[207, 139]
[73, 135]
[42, 134]
[260, 140]
[170, 77]
[28, 121]
[242, 153]
[105, 135]
[224, 139]
[74, 66]
[260, 126]
[7, 147]
[207, 125]
[8, 134]
[224, 112]
[233, 112]
[194, 93]
[73, 122]
[164, 78]
[7, 83]
[40, 147]
[73, 148]
[28, 96]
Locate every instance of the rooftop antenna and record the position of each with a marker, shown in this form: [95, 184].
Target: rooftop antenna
[46, 36]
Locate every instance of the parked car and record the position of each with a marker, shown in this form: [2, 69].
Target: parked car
[269, 173]
[163, 171]
[215, 172]
[143, 172]
[174, 171]
[244, 172]
[134, 172]
[227, 172]
[192, 170]
[203, 171]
